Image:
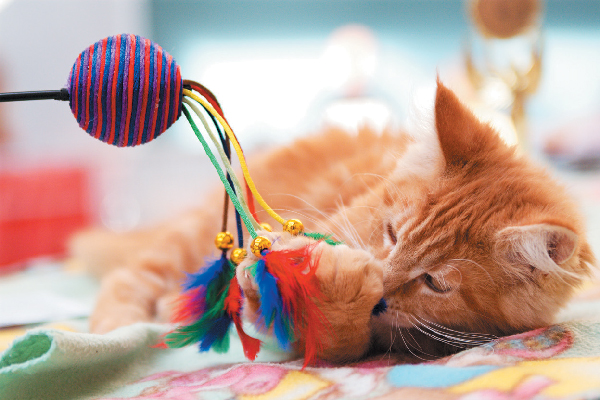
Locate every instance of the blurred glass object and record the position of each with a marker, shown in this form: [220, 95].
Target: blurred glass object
[504, 56]
[504, 19]
[350, 58]
[350, 61]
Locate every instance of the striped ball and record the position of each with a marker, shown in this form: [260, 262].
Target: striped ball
[125, 90]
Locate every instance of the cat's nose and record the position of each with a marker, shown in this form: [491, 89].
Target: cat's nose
[380, 307]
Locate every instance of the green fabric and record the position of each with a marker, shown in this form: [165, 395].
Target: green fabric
[31, 347]
[54, 364]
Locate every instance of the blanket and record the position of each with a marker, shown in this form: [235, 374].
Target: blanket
[561, 361]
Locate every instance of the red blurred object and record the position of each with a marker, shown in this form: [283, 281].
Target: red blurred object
[39, 210]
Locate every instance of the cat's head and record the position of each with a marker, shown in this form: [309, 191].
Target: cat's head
[487, 242]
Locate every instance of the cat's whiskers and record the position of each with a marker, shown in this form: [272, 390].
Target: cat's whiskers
[310, 206]
[318, 223]
[483, 336]
[349, 227]
[456, 338]
[407, 345]
[370, 235]
[432, 335]
[397, 194]
[337, 231]
[485, 317]
[375, 229]
[342, 230]
[389, 184]
[370, 221]
[392, 336]
[408, 330]
[446, 284]
[397, 329]
[392, 188]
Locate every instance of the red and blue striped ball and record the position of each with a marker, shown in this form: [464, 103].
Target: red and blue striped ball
[125, 90]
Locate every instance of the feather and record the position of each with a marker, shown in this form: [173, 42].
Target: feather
[233, 306]
[299, 290]
[216, 335]
[271, 306]
[201, 308]
[289, 292]
[206, 275]
[189, 306]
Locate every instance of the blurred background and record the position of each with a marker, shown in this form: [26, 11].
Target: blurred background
[282, 69]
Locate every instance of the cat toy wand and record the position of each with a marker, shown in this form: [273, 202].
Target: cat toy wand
[126, 90]
[62, 94]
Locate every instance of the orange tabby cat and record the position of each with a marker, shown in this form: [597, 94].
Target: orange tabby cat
[463, 238]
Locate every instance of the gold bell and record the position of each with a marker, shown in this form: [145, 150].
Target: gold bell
[259, 244]
[266, 227]
[293, 226]
[224, 241]
[238, 255]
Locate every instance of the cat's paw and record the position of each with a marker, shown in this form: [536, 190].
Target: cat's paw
[351, 281]
[352, 284]
[126, 296]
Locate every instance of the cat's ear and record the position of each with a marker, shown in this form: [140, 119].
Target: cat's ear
[462, 135]
[541, 246]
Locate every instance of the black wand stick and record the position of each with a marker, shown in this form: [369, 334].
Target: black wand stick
[61, 94]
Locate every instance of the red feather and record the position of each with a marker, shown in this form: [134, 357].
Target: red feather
[295, 273]
[233, 306]
[160, 345]
[189, 306]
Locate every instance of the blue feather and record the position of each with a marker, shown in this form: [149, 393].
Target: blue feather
[281, 331]
[204, 277]
[271, 304]
[217, 331]
[270, 299]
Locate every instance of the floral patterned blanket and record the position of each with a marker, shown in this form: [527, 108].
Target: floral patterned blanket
[62, 361]
[557, 362]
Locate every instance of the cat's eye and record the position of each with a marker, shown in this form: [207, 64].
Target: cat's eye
[435, 284]
[391, 233]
